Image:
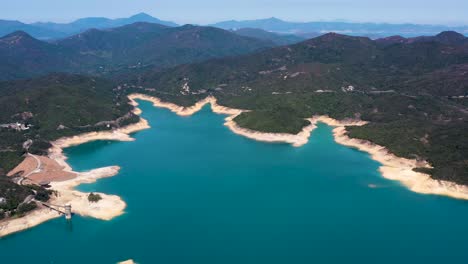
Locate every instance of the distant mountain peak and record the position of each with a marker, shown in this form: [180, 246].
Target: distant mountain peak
[450, 34]
[10, 22]
[274, 19]
[144, 17]
[17, 37]
[339, 40]
[18, 33]
[450, 37]
[332, 36]
[141, 15]
[445, 37]
[21, 42]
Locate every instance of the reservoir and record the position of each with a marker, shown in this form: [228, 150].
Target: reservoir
[198, 193]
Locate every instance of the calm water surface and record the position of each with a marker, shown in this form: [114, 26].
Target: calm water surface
[197, 193]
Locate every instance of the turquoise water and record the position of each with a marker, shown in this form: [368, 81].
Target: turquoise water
[197, 193]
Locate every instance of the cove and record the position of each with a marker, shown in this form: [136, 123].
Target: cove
[198, 193]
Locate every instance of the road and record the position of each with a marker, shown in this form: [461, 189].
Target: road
[36, 170]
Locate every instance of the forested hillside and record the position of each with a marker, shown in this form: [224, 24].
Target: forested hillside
[123, 50]
[413, 91]
[54, 106]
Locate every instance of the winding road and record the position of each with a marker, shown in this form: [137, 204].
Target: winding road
[36, 170]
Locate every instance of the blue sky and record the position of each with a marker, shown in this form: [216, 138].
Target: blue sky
[453, 12]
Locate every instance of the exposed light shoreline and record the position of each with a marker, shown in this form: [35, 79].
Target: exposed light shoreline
[401, 169]
[393, 167]
[130, 261]
[108, 207]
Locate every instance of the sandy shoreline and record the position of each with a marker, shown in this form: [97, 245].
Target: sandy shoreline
[393, 167]
[109, 207]
[121, 134]
[130, 261]
[401, 169]
[297, 140]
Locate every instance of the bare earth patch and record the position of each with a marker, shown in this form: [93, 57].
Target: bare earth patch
[49, 170]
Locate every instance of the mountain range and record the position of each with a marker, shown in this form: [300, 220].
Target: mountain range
[50, 30]
[141, 45]
[412, 90]
[332, 61]
[131, 47]
[304, 30]
[374, 30]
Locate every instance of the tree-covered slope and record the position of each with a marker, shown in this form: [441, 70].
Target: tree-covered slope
[22, 55]
[56, 105]
[328, 63]
[413, 92]
[119, 50]
[143, 44]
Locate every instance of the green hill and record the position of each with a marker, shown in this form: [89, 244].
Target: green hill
[56, 105]
[126, 49]
[411, 91]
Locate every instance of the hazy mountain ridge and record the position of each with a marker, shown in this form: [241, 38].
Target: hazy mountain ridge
[373, 30]
[50, 30]
[9, 26]
[279, 39]
[447, 37]
[133, 46]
